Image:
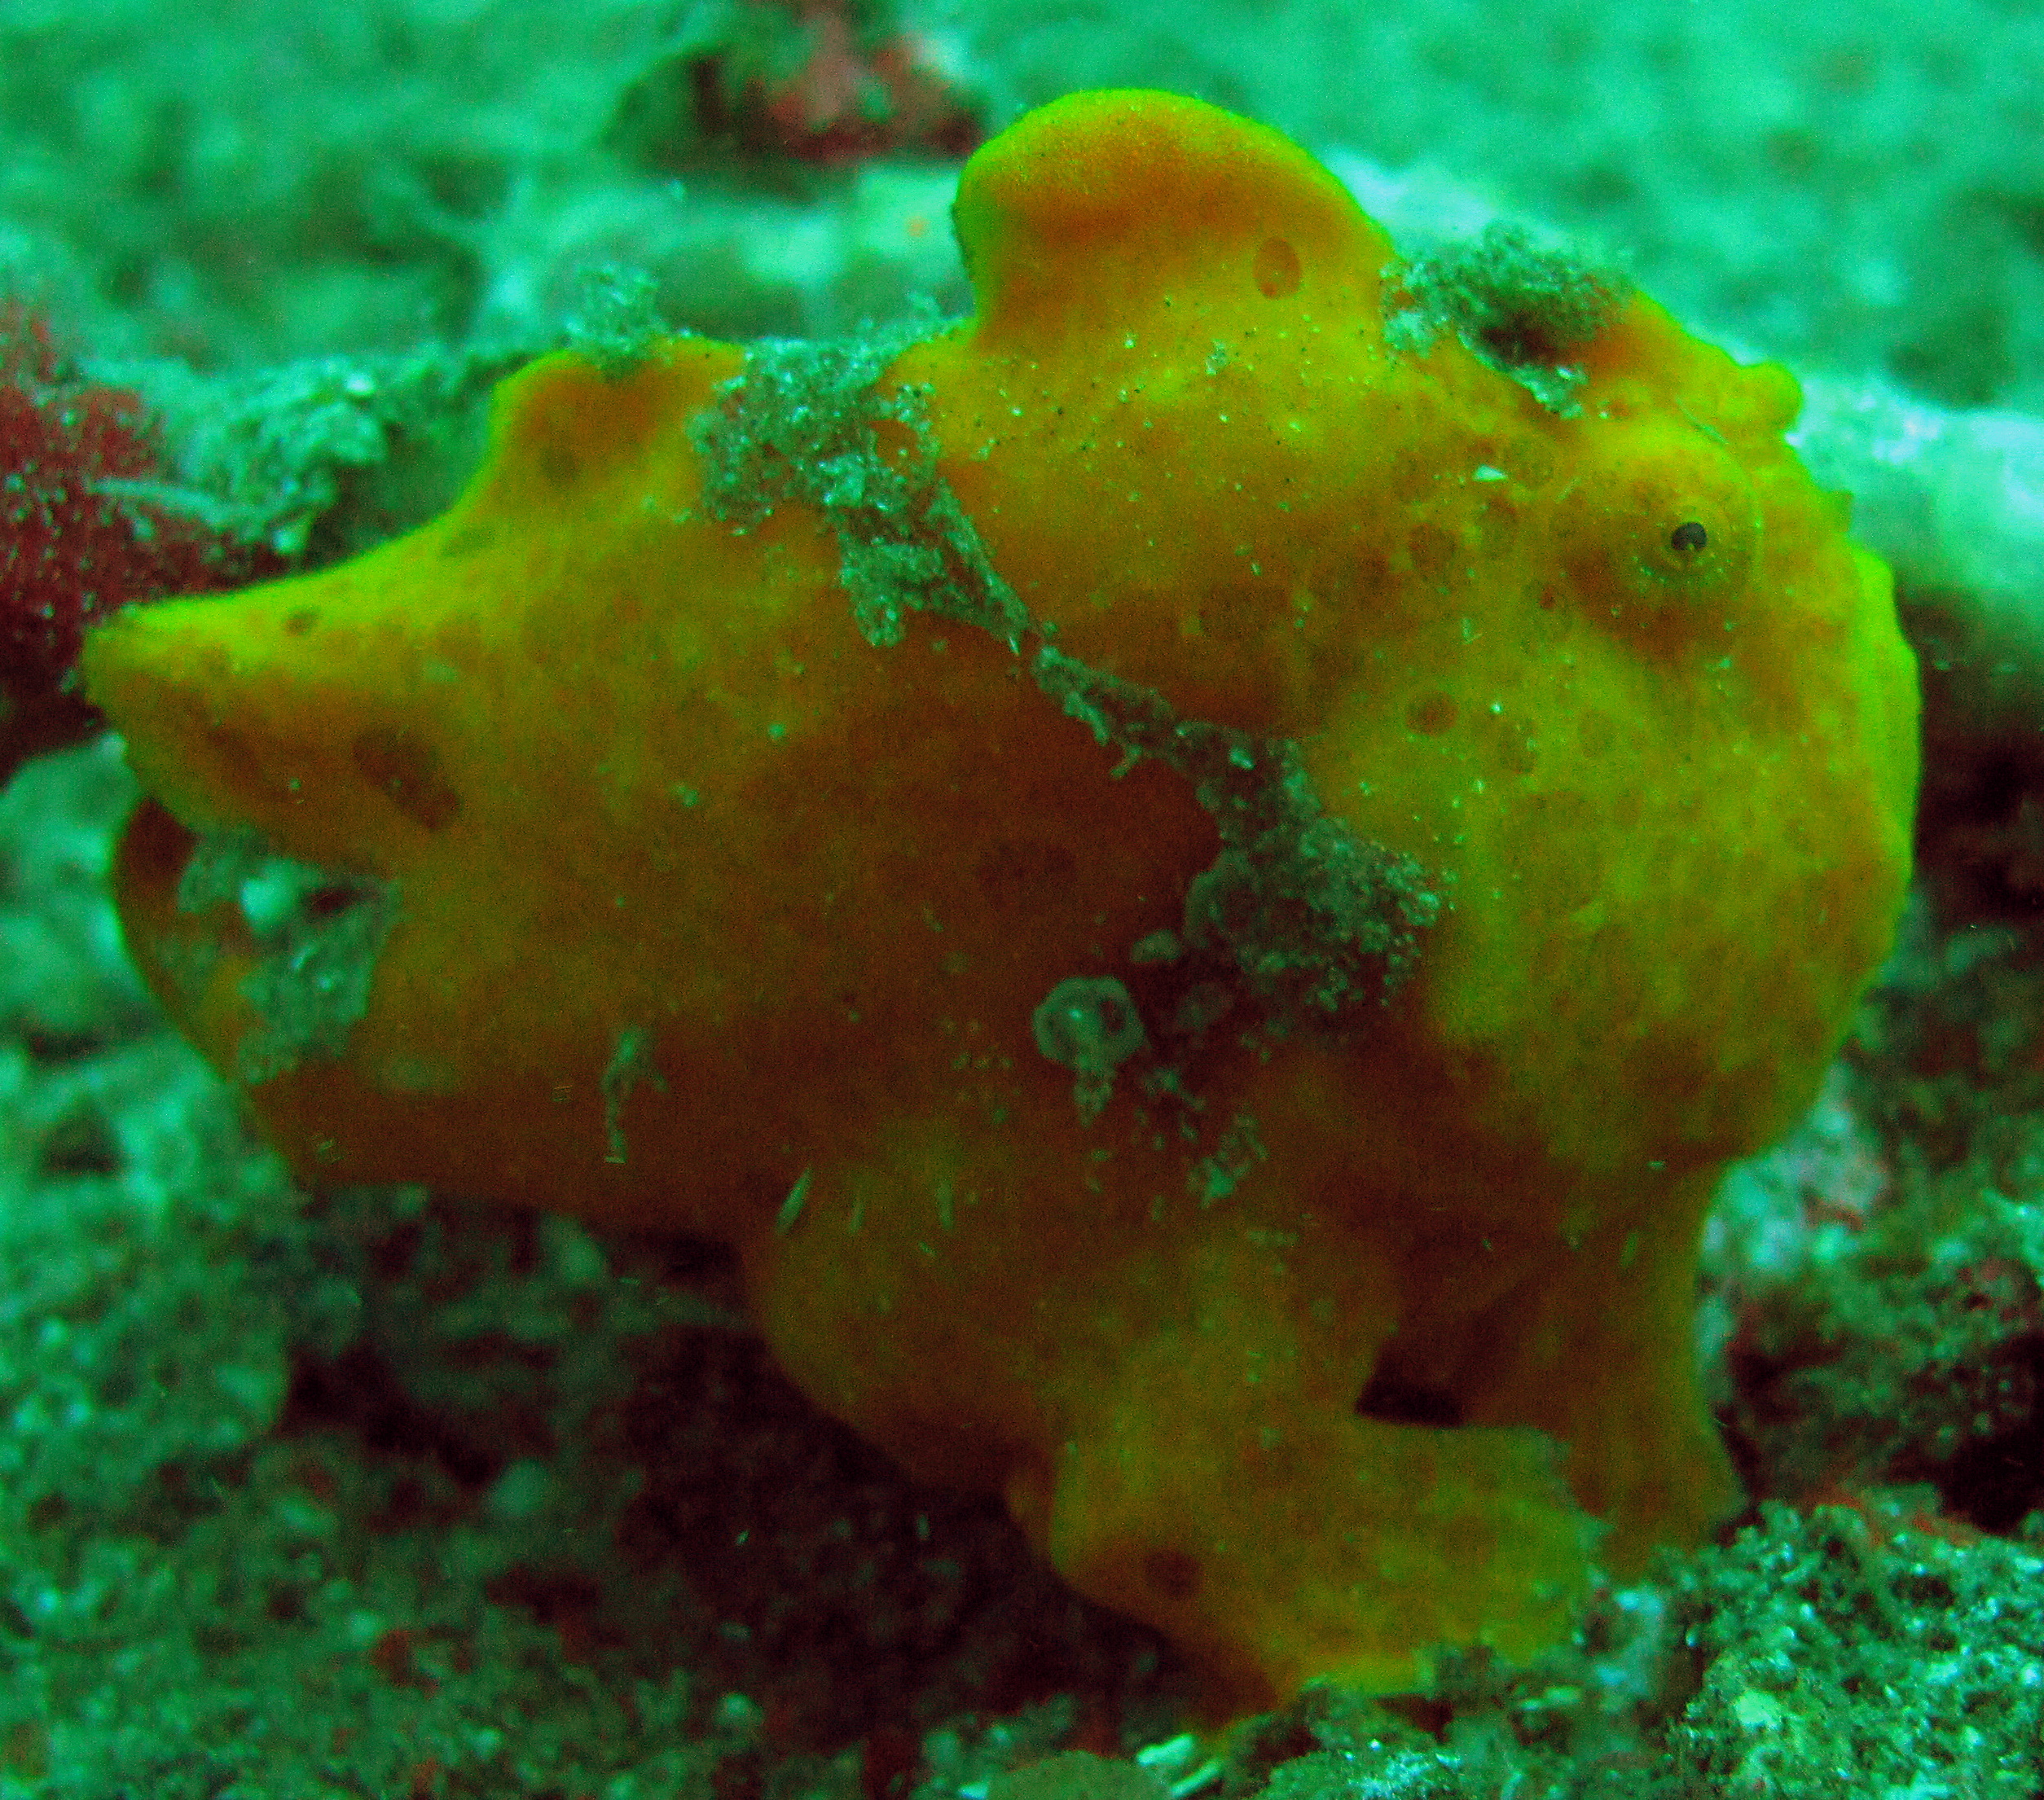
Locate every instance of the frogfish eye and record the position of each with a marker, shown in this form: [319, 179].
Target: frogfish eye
[1661, 525]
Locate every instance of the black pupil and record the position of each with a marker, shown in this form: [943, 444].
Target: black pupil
[1688, 537]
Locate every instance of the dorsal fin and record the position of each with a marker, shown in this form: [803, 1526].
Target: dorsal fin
[1101, 199]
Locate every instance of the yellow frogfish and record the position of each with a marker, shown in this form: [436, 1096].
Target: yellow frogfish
[1200, 871]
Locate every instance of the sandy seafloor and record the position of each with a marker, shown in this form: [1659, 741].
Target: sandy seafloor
[375, 1494]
